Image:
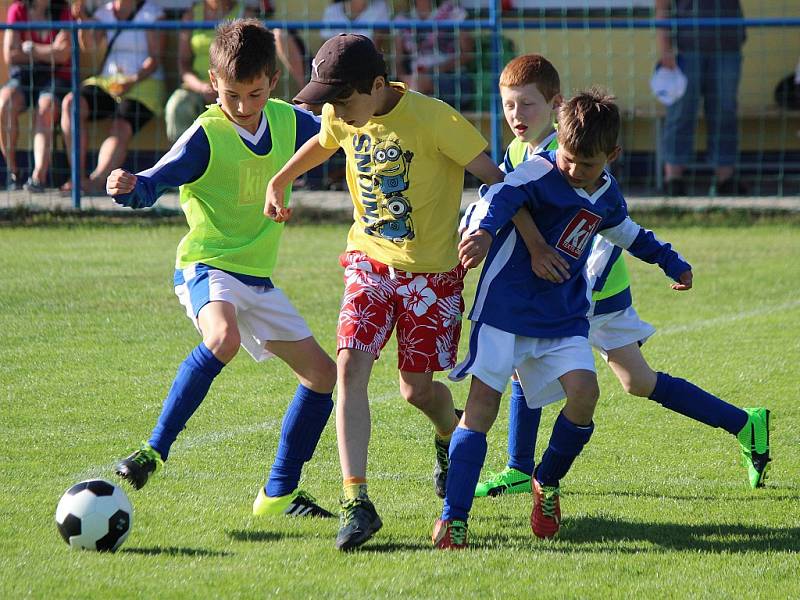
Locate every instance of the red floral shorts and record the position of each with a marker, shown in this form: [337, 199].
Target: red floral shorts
[424, 307]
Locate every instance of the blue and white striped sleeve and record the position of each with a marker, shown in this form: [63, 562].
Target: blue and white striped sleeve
[185, 162]
[500, 202]
[645, 246]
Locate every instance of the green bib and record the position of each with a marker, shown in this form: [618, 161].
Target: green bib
[224, 207]
[618, 279]
[517, 150]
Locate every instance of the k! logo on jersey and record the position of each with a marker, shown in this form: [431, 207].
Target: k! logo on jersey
[577, 234]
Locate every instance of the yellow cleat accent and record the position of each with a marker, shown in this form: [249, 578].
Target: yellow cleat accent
[264, 505]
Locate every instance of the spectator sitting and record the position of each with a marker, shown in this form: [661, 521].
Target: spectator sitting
[359, 14]
[129, 89]
[291, 52]
[435, 62]
[39, 73]
[187, 102]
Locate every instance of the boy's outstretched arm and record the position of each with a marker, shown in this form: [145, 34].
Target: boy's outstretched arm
[185, 162]
[306, 158]
[645, 246]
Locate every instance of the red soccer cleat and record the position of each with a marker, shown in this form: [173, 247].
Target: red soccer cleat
[546, 513]
[449, 535]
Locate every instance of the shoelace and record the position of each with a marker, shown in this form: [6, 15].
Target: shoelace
[349, 509]
[549, 499]
[442, 455]
[306, 496]
[143, 456]
[458, 532]
[498, 477]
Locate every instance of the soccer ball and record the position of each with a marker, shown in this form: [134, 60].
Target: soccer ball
[95, 515]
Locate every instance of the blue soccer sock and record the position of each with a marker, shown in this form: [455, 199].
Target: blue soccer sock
[302, 427]
[566, 443]
[687, 399]
[467, 455]
[190, 386]
[523, 427]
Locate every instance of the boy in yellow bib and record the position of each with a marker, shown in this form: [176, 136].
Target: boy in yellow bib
[224, 264]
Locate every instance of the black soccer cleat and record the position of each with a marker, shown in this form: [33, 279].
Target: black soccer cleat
[358, 521]
[138, 467]
[442, 465]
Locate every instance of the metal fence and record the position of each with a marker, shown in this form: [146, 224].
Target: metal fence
[611, 47]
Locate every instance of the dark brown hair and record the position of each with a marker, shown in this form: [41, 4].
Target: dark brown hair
[532, 68]
[362, 86]
[242, 50]
[588, 123]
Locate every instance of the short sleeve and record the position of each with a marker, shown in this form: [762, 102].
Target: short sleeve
[456, 137]
[16, 13]
[328, 132]
[307, 126]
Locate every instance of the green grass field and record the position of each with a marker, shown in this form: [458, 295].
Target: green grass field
[657, 505]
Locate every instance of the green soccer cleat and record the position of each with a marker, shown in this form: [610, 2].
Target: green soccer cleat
[449, 535]
[507, 481]
[137, 468]
[358, 521]
[296, 504]
[754, 442]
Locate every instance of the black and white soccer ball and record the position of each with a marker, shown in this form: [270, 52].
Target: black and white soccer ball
[95, 515]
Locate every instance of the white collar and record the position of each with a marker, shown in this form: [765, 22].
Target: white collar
[253, 138]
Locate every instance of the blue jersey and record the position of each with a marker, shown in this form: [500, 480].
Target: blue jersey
[188, 158]
[509, 296]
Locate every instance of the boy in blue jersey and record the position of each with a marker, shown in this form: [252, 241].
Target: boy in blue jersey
[615, 328]
[538, 326]
[222, 165]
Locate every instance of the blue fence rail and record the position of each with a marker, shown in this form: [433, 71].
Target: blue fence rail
[495, 23]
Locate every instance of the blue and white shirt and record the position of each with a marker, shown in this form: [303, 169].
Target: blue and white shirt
[188, 158]
[510, 296]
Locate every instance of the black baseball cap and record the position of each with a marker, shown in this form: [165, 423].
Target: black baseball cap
[340, 62]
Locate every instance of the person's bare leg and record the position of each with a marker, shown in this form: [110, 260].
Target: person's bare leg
[67, 128]
[11, 105]
[582, 393]
[433, 398]
[632, 370]
[43, 138]
[353, 425]
[112, 152]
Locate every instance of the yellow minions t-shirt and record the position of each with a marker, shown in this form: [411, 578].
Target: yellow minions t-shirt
[405, 172]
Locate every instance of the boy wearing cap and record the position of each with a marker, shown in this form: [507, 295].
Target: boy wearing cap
[406, 155]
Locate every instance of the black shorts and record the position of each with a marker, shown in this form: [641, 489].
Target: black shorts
[102, 105]
[36, 82]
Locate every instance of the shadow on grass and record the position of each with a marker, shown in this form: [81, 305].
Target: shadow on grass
[245, 535]
[599, 534]
[175, 551]
[751, 496]
[384, 547]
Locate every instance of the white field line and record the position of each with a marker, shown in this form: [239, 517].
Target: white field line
[729, 318]
[212, 438]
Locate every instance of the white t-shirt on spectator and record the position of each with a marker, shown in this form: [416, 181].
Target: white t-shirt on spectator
[375, 12]
[130, 48]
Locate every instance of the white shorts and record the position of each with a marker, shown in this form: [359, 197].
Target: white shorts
[263, 313]
[606, 332]
[495, 354]
[617, 329]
